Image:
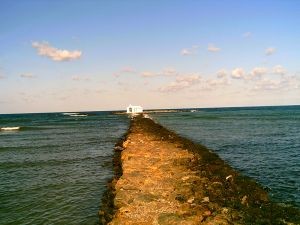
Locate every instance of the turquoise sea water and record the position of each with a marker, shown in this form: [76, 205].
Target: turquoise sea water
[55, 168]
[261, 142]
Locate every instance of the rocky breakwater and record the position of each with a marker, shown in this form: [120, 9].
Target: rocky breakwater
[162, 178]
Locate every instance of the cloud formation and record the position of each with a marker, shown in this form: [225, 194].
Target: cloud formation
[284, 83]
[222, 73]
[149, 74]
[186, 51]
[212, 48]
[238, 73]
[164, 72]
[168, 72]
[189, 51]
[258, 72]
[270, 51]
[45, 49]
[181, 82]
[278, 69]
[125, 70]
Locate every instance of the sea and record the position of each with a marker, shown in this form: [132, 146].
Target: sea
[260, 142]
[54, 167]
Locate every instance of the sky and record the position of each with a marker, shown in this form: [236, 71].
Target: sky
[58, 56]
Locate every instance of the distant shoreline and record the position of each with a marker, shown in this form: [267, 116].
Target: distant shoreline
[117, 111]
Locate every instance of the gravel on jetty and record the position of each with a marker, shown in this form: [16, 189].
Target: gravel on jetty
[162, 178]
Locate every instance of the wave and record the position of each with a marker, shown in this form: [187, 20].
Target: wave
[79, 115]
[10, 128]
[74, 114]
[68, 114]
[25, 128]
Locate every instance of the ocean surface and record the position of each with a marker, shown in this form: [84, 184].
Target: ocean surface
[54, 166]
[54, 169]
[261, 142]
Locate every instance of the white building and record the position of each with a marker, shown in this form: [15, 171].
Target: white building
[134, 109]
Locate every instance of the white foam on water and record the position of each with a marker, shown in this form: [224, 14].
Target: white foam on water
[69, 114]
[78, 115]
[74, 114]
[9, 128]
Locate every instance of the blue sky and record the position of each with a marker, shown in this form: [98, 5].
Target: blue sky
[104, 55]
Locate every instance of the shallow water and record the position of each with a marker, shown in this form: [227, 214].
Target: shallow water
[55, 168]
[261, 142]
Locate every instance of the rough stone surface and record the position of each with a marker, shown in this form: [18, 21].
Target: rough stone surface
[167, 179]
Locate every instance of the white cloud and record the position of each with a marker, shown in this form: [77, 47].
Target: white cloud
[284, 83]
[258, 72]
[44, 49]
[278, 69]
[189, 78]
[222, 73]
[80, 78]
[213, 48]
[181, 82]
[270, 51]
[164, 72]
[124, 70]
[169, 72]
[27, 75]
[219, 81]
[247, 34]
[268, 84]
[238, 73]
[186, 52]
[148, 74]
[189, 51]
[292, 81]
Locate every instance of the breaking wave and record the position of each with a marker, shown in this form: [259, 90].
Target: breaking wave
[75, 114]
[10, 128]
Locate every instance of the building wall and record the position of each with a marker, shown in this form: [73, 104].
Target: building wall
[134, 109]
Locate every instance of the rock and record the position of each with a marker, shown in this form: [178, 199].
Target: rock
[225, 210]
[118, 148]
[229, 178]
[191, 200]
[207, 213]
[185, 178]
[244, 200]
[169, 218]
[125, 143]
[205, 199]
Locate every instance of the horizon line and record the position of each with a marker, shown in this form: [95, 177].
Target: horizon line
[148, 109]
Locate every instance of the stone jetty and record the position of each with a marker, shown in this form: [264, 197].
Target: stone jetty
[162, 178]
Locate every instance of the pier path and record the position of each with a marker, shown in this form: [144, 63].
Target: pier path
[167, 179]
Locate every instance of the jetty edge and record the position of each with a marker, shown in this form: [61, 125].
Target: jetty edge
[162, 178]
